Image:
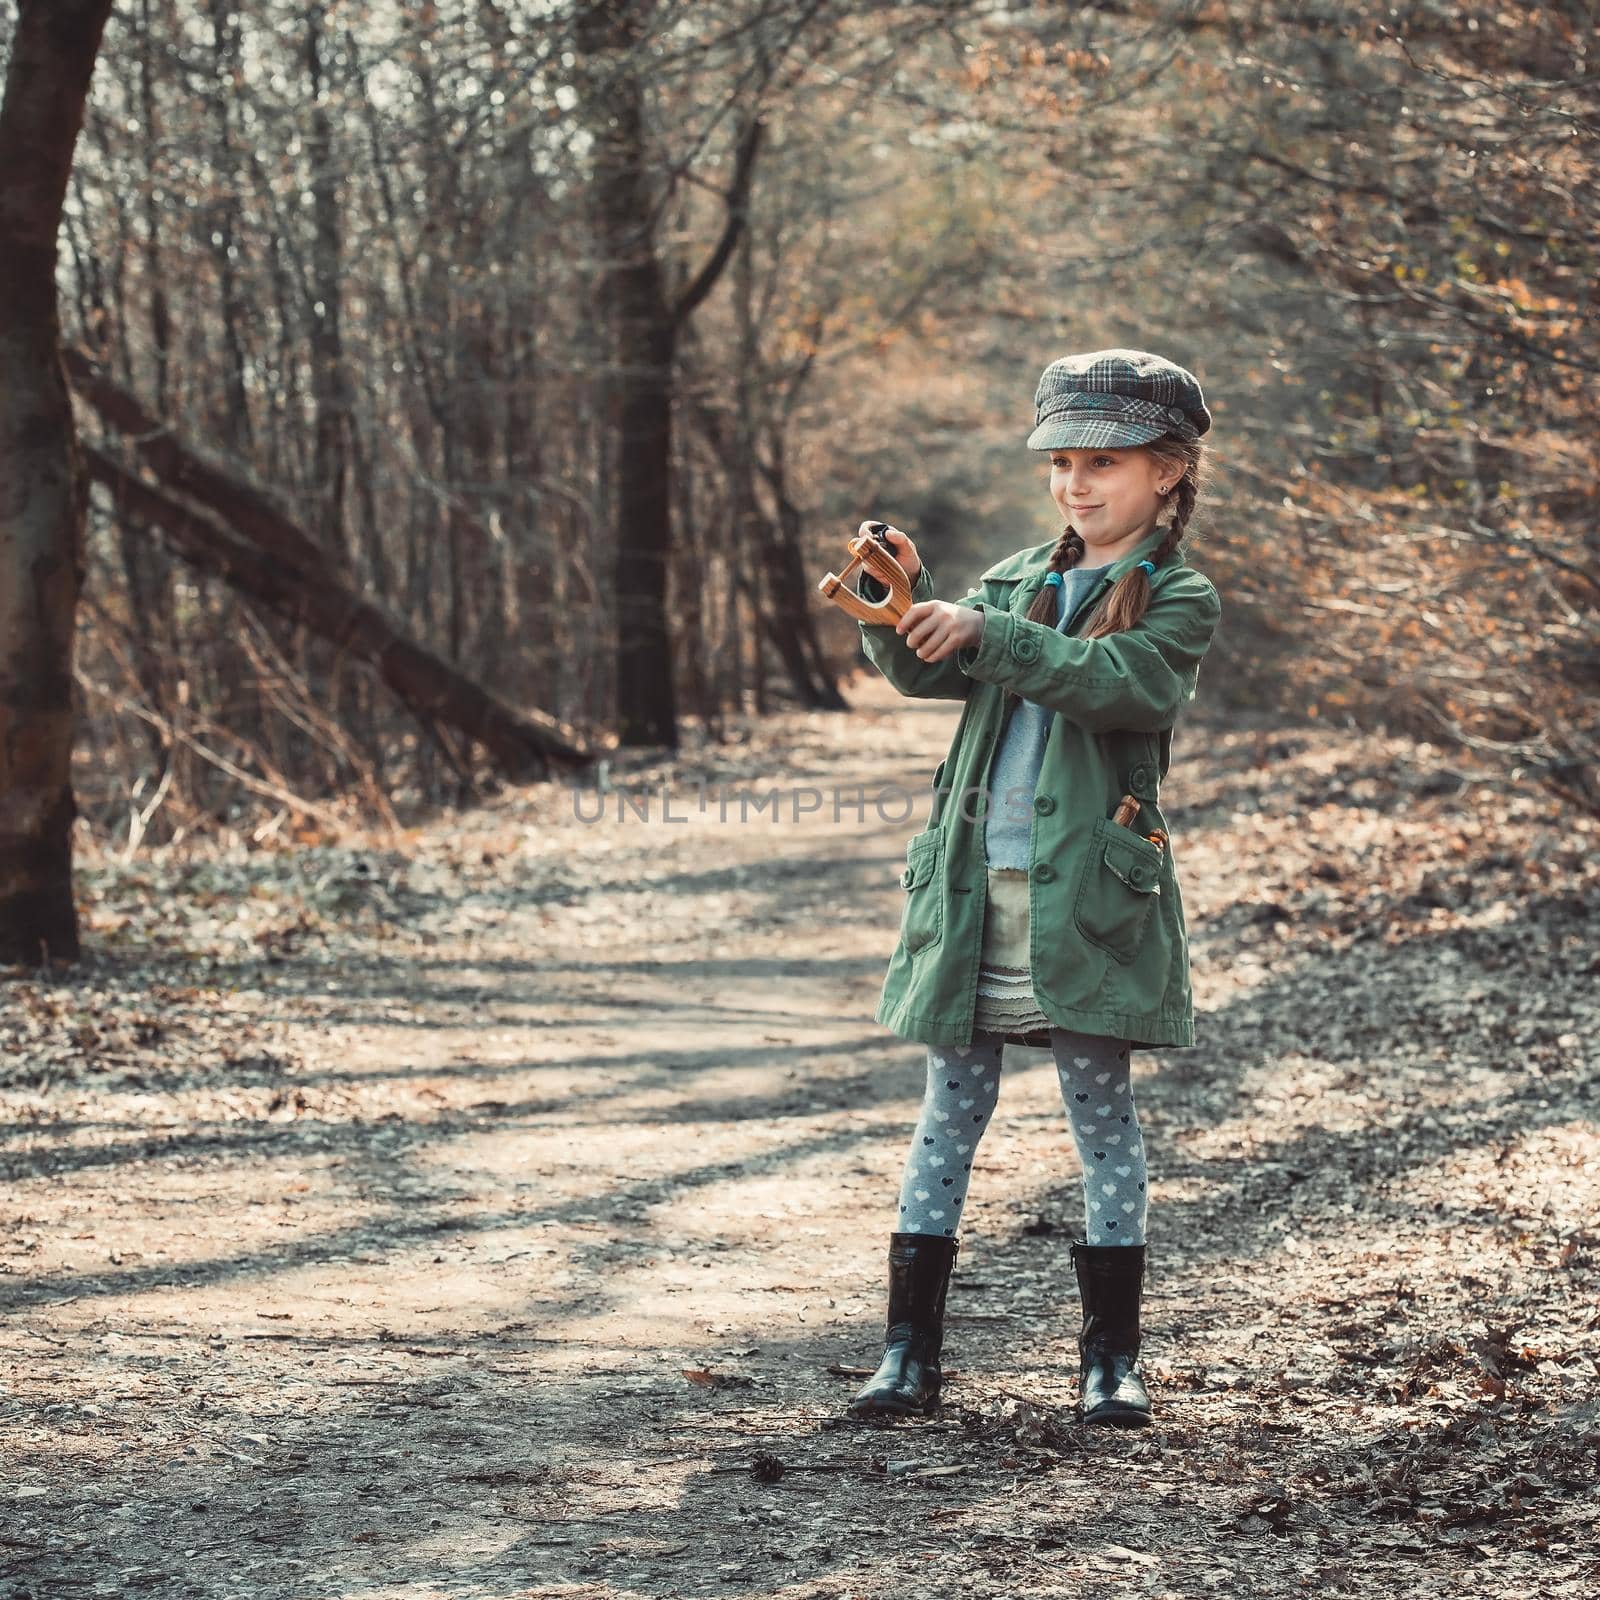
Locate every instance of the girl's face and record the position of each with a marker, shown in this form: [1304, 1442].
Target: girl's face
[1110, 496]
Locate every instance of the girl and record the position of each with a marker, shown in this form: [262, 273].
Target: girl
[1032, 914]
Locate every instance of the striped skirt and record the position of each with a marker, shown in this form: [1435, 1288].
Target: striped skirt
[1005, 1002]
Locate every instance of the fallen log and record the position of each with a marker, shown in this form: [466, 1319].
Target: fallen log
[245, 506]
[523, 744]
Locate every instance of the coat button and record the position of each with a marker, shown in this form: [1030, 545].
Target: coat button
[1142, 781]
[1044, 872]
[905, 878]
[1024, 648]
[1136, 874]
[1043, 804]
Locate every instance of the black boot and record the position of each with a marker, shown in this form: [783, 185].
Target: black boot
[1110, 1389]
[908, 1378]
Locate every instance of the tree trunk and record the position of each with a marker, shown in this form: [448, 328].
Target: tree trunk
[795, 625]
[638, 461]
[330, 389]
[645, 323]
[239, 435]
[42, 491]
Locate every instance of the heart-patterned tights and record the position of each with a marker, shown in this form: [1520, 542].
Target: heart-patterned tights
[962, 1091]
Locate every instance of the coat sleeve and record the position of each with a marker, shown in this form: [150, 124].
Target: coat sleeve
[1138, 679]
[897, 661]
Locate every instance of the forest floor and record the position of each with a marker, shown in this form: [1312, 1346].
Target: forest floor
[473, 1213]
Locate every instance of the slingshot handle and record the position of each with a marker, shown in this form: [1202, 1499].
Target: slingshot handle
[870, 550]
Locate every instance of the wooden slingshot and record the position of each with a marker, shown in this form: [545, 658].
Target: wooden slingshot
[871, 550]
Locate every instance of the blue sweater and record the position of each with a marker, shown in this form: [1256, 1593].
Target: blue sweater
[1015, 773]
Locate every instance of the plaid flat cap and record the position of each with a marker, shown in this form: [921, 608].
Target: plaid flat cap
[1112, 398]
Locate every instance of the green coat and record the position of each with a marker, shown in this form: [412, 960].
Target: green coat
[1109, 948]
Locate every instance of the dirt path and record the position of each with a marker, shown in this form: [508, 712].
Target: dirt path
[466, 1218]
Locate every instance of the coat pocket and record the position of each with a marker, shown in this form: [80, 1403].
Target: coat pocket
[1117, 888]
[922, 919]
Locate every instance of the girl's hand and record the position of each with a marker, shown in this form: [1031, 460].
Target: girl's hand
[900, 547]
[936, 629]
